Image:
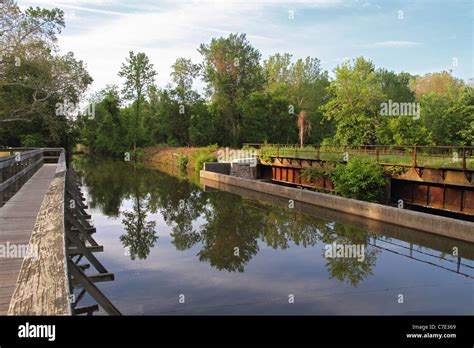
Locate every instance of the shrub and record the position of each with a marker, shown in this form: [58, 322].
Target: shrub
[359, 180]
[137, 154]
[203, 158]
[313, 173]
[183, 161]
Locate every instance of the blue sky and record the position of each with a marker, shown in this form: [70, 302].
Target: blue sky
[414, 36]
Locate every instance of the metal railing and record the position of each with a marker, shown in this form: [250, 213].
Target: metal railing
[449, 157]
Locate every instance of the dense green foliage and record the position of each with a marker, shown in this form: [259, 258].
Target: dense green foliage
[39, 87]
[245, 99]
[359, 180]
[267, 106]
[313, 173]
[202, 157]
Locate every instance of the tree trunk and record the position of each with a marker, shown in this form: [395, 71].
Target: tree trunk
[136, 125]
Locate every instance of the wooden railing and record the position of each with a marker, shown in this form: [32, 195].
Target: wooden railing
[49, 277]
[42, 286]
[16, 169]
[20, 165]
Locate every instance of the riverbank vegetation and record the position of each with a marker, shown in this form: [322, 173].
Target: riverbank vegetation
[245, 98]
[192, 158]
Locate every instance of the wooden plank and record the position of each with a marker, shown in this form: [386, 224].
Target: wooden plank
[88, 310]
[87, 229]
[97, 278]
[76, 242]
[79, 229]
[72, 251]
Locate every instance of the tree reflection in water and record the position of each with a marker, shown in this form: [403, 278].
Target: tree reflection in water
[232, 225]
[141, 235]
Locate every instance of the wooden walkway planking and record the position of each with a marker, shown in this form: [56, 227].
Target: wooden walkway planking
[17, 220]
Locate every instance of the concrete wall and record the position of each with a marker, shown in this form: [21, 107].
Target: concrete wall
[448, 227]
[216, 167]
[243, 170]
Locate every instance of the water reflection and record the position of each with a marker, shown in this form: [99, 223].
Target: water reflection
[141, 235]
[228, 229]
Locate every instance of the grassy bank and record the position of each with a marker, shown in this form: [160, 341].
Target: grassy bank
[182, 157]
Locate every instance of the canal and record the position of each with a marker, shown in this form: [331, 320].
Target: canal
[179, 247]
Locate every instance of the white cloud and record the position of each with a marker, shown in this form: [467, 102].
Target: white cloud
[391, 44]
[103, 42]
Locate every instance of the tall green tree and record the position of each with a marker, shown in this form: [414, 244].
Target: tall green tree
[189, 101]
[183, 74]
[139, 75]
[231, 68]
[355, 98]
[304, 83]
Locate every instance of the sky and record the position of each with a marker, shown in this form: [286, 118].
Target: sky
[418, 37]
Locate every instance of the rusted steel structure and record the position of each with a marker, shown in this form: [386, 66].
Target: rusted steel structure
[435, 177]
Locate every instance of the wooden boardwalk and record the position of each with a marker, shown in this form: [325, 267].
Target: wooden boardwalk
[17, 220]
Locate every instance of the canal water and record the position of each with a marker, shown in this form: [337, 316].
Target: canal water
[179, 247]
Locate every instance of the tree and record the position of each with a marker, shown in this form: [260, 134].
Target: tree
[439, 83]
[355, 98]
[34, 78]
[449, 118]
[32, 25]
[406, 130]
[188, 101]
[106, 133]
[183, 74]
[139, 75]
[396, 87]
[277, 70]
[304, 83]
[265, 117]
[231, 69]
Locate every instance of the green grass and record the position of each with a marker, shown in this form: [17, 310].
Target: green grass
[336, 154]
